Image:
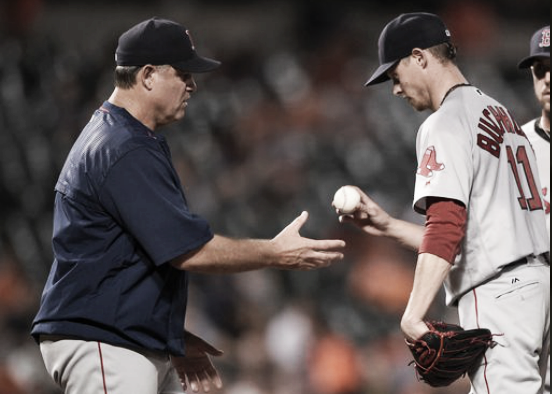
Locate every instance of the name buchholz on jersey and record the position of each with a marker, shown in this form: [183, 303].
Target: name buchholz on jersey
[495, 122]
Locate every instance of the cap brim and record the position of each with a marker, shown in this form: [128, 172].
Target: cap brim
[528, 61]
[380, 75]
[197, 65]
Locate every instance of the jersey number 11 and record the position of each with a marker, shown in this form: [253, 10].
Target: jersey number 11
[534, 203]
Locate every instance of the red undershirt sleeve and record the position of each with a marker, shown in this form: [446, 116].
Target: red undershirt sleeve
[445, 229]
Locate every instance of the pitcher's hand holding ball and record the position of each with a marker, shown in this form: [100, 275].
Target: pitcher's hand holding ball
[354, 206]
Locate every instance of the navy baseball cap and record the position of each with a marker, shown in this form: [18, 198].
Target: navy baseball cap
[540, 47]
[403, 34]
[158, 41]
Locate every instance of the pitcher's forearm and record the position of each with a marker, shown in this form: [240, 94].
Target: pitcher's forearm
[431, 272]
[408, 234]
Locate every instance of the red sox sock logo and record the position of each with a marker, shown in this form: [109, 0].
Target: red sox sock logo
[429, 163]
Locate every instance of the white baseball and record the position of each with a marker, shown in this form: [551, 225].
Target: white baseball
[346, 199]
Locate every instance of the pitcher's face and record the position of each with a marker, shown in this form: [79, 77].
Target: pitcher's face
[408, 84]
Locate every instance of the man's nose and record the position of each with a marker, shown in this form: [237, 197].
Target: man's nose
[397, 91]
[192, 86]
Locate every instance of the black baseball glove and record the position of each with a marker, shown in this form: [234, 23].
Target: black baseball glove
[448, 352]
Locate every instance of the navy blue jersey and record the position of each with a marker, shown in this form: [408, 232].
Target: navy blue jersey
[120, 216]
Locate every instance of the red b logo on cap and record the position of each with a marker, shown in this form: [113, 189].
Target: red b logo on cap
[545, 42]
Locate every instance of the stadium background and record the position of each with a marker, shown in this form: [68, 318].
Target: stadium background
[277, 130]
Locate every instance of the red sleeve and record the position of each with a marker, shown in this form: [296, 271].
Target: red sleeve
[445, 229]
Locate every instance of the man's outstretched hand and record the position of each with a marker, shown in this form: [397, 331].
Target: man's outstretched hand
[294, 252]
[196, 370]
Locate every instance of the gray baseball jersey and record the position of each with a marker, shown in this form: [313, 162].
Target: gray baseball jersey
[472, 150]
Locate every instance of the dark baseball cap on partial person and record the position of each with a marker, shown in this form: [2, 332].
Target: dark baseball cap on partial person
[403, 34]
[158, 41]
[540, 47]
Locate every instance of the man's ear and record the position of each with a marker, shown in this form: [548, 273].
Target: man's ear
[420, 57]
[146, 76]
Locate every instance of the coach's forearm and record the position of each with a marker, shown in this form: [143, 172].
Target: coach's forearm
[287, 251]
[226, 256]
[408, 234]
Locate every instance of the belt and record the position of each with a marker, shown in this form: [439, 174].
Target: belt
[515, 264]
[543, 258]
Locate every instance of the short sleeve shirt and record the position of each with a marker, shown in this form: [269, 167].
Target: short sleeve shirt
[120, 216]
[471, 150]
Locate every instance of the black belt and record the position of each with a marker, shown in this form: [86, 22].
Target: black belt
[517, 263]
[545, 258]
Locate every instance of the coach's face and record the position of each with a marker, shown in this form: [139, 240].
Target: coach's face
[407, 78]
[171, 90]
[541, 80]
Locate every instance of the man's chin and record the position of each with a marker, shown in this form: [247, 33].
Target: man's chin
[180, 115]
[419, 108]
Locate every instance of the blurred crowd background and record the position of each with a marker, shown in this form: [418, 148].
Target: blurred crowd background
[282, 125]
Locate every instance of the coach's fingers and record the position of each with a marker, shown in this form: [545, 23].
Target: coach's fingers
[325, 259]
[194, 382]
[217, 380]
[202, 381]
[184, 383]
[205, 382]
[317, 260]
[327, 245]
[322, 254]
[211, 377]
[297, 224]
[208, 381]
[212, 380]
[322, 258]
